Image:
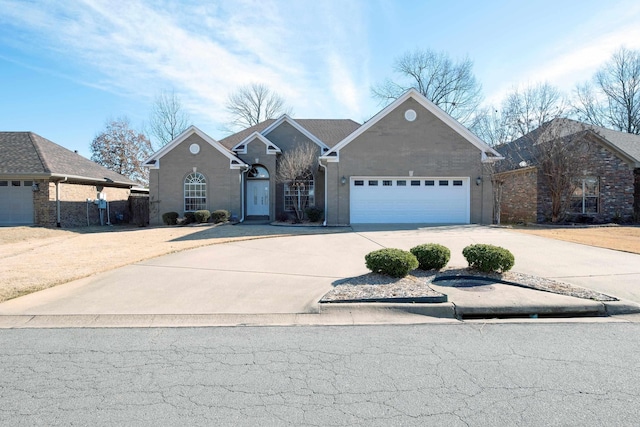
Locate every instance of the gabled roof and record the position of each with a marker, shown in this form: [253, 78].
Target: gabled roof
[625, 144]
[329, 131]
[241, 147]
[488, 153]
[234, 161]
[26, 153]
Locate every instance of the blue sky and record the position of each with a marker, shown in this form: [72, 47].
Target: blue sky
[67, 66]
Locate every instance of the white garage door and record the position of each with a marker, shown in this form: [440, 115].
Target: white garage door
[16, 202]
[386, 200]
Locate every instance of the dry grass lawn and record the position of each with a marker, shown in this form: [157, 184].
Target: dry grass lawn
[34, 258]
[621, 238]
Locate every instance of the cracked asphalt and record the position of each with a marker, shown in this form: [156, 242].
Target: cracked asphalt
[582, 374]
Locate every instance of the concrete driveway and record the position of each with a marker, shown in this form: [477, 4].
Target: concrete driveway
[290, 274]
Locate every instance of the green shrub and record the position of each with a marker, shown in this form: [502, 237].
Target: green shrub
[170, 218]
[220, 216]
[431, 256]
[202, 215]
[189, 217]
[392, 262]
[314, 213]
[488, 258]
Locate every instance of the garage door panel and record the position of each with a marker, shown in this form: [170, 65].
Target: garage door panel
[408, 203]
[16, 203]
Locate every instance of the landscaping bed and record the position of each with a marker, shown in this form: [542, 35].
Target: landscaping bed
[415, 287]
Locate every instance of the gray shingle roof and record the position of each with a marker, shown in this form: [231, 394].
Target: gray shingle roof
[518, 150]
[329, 131]
[30, 154]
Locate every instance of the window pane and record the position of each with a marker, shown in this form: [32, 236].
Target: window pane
[415, 183]
[358, 182]
[457, 183]
[15, 183]
[387, 183]
[373, 183]
[443, 182]
[429, 183]
[4, 183]
[401, 183]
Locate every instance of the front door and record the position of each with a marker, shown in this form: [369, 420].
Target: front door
[258, 197]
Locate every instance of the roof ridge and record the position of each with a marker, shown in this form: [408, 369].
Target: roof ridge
[38, 150]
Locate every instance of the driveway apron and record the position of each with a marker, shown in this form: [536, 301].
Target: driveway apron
[290, 274]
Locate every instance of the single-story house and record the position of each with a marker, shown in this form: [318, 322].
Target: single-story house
[410, 163]
[606, 187]
[43, 183]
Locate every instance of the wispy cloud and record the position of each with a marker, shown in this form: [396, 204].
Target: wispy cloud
[203, 51]
[577, 57]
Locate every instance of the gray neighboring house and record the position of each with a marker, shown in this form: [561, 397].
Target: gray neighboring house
[607, 190]
[410, 163]
[43, 183]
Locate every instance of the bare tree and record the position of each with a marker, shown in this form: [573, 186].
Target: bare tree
[295, 169]
[528, 108]
[561, 151]
[168, 118]
[613, 100]
[122, 150]
[448, 84]
[252, 104]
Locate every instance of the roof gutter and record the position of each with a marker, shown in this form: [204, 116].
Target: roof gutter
[326, 198]
[91, 180]
[58, 200]
[243, 172]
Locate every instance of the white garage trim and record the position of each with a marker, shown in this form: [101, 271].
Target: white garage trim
[413, 200]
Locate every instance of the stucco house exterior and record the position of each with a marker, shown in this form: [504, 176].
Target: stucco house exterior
[410, 163]
[43, 183]
[606, 190]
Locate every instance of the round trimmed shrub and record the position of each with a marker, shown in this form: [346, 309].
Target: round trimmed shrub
[189, 217]
[488, 258]
[202, 215]
[392, 262]
[431, 256]
[314, 213]
[170, 218]
[220, 215]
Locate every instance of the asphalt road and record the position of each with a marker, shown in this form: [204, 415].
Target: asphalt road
[583, 374]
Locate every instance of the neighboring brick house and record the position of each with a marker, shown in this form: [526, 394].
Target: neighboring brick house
[43, 183]
[607, 188]
[410, 163]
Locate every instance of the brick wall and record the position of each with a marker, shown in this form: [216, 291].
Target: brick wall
[636, 196]
[616, 179]
[74, 207]
[519, 202]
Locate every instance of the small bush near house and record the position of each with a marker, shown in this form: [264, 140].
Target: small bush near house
[220, 216]
[431, 256]
[189, 218]
[170, 218]
[488, 258]
[392, 262]
[202, 216]
[314, 213]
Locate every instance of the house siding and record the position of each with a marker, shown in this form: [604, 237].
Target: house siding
[166, 185]
[521, 191]
[287, 138]
[396, 147]
[74, 209]
[519, 203]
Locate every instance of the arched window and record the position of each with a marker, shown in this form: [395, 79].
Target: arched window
[195, 192]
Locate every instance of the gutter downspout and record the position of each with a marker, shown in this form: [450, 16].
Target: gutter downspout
[326, 192]
[58, 200]
[242, 181]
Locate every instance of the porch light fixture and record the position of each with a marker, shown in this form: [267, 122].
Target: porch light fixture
[479, 180]
[343, 180]
[35, 187]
